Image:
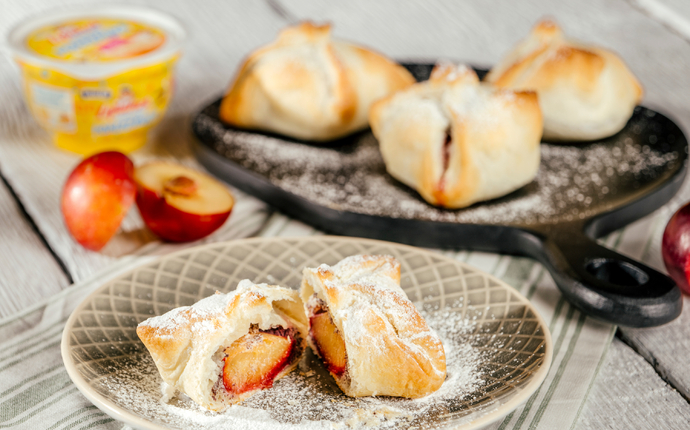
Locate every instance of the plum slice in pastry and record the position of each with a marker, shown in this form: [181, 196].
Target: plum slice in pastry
[309, 86]
[585, 92]
[368, 334]
[225, 347]
[458, 141]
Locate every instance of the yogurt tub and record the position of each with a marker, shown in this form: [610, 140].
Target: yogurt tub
[98, 78]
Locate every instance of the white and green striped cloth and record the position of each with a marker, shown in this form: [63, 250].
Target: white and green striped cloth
[36, 393]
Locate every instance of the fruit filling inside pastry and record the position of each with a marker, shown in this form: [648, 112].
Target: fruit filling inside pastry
[447, 148]
[254, 360]
[323, 334]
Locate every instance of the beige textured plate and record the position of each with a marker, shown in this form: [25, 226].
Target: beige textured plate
[498, 348]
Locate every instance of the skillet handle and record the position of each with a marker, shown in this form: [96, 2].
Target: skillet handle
[608, 285]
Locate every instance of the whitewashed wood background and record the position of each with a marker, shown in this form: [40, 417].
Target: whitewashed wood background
[643, 384]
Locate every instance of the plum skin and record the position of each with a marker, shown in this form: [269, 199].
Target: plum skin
[96, 197]
[675, 247]
[172, 224]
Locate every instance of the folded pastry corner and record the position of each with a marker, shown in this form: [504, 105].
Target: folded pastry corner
[456, 140]
[370, 337]
[225, 347]
[310, 86]
[586, 92]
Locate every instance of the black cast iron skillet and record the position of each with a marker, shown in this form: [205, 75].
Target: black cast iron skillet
[582, 192]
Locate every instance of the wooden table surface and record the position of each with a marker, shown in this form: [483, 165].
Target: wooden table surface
[644, 382]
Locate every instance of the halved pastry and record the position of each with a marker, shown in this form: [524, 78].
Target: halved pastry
[225, 347]
[368, 334]
[585, 92]
[309, 86]
[458, 141]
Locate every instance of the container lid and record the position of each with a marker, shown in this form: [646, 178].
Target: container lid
[93, 43]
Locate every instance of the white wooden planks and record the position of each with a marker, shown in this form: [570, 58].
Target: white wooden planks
[667, 348]
[674, 14]
[28, 272]
[628, 394]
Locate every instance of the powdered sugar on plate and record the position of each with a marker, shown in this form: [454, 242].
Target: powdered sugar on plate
[308, 397]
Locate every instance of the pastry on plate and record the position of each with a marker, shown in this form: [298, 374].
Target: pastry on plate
[458, 141]
[226, 347]
[368, 334]
[309, 86]
[585, 92]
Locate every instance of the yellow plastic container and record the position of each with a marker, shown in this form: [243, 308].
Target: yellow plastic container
[98, 79]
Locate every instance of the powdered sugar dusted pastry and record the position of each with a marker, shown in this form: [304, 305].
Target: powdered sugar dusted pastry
[585, 92]
[368, 334]
[458, 141]
[309, 86]
[225, 347]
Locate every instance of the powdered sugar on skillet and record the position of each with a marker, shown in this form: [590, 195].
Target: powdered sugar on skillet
[574, 181]
[308, 397]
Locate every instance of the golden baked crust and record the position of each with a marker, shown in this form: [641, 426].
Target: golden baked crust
[458, 141]
[390, 349]
[187, 344]
[309, 86]
[585, 92]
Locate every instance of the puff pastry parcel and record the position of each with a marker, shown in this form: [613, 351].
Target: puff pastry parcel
[368, 334]
[309, 86]
[585, 92]
[458, 141]
[225, 347]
